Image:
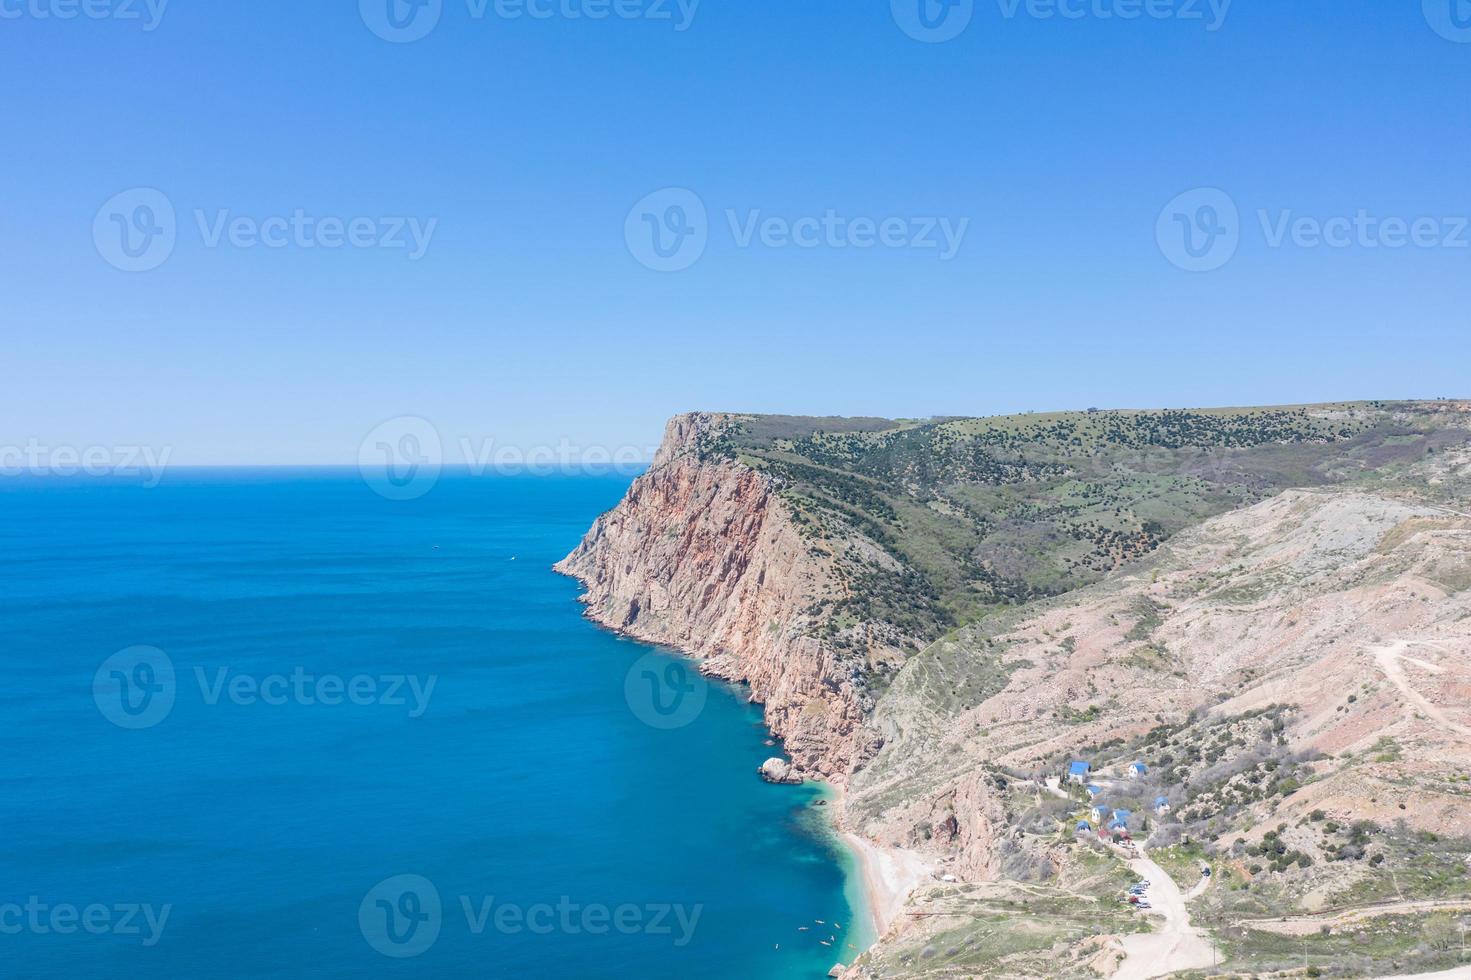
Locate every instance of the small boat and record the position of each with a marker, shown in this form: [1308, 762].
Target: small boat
[826, 943]
[819, 922]
[803, 928]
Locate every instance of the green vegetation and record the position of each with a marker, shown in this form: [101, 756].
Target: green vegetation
[976, 514]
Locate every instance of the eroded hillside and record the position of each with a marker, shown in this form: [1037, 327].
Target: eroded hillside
[1268, 607]
[1296, 678]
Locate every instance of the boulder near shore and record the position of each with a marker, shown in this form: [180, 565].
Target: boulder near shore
[778, 771]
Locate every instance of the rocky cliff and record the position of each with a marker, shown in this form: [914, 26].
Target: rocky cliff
[703, 555]
[938, 615]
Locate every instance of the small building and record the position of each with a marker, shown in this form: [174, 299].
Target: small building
[1099, 815]
[1137, 769]
[1120, 820]
[1077, 772]
[1093, 789]
[1161, 805]
[1084, 827]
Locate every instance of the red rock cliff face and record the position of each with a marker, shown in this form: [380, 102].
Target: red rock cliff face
[703, 556]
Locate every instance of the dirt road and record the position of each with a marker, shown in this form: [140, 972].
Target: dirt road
[1303, 925]
[1178, 946]
[1389, 659]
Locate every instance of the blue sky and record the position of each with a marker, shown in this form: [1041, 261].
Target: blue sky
[524, 144]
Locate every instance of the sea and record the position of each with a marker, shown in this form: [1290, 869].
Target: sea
[278, 723]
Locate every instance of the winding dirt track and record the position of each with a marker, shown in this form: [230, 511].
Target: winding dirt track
[1390, 660]
[1177, 947]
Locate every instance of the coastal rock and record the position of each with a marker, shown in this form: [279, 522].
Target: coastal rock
[778, 771]
[703, 554]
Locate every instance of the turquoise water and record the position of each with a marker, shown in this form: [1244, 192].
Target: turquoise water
[376, 707]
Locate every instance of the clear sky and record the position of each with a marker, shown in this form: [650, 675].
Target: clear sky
[522, 145]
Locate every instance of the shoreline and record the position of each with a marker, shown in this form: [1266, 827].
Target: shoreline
[887, 874]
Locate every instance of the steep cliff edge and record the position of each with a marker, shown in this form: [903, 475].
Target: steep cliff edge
[703, 554]
[939, 615]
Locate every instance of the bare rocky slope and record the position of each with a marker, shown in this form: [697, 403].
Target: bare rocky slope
[1271, 608]
[704, 555]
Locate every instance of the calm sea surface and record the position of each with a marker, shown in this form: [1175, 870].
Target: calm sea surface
[270, 724]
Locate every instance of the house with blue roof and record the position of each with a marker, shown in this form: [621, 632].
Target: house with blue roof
[1077, 771]
[1084, 827]
[1137, 769]
[1120, 820]
[1093, 789]
[1099, 814]
[1162, 805]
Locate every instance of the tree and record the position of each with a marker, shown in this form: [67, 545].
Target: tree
[1440, 931]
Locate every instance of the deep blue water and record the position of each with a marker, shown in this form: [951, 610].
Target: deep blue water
[531, 779]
